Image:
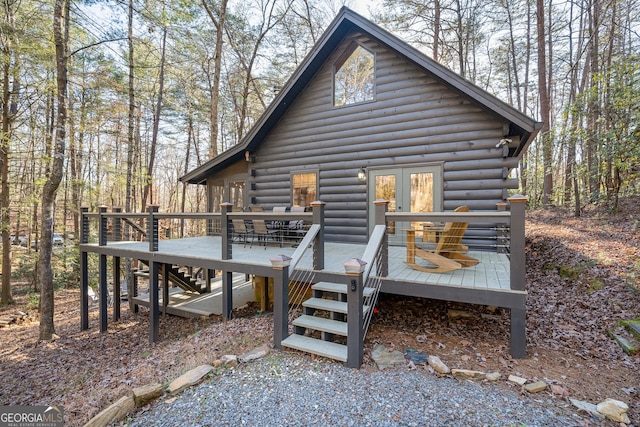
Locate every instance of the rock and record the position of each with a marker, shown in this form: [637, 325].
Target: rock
[416, 357]
[254, 354]
[559, 390]
[614, 410]
[467, 374]
[190, 378]
[116, 411]
[386, 358]
[217, 363]
[517, 380]
[147, 393]
[493, 376]
[438, 365]
[421, 338]
[230, 360]
[535, 387]
[589, 408]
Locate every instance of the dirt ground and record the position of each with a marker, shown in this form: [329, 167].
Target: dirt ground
[583, 276]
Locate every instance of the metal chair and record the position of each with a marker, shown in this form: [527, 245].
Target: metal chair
[261, 231]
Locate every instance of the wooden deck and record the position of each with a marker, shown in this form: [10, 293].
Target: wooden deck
[492, 273]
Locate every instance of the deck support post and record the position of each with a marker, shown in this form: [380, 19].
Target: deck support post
[152, 228]
[518, 333]
[227, 294]
[518, 275]
[154, 317]
[117, 236]
[84, 271]
[381, 208]
[116, 288]
[355, 322]
[102, 269]
[280, 305]
[318, 242]
[165, 287]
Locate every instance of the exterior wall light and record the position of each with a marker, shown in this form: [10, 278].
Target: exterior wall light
[362, 175]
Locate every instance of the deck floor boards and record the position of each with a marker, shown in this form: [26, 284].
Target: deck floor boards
[491, 273]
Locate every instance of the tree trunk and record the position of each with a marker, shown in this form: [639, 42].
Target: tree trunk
[8, 114]
[148, 188]
[61, 37]
[547, 149]
[219, 23]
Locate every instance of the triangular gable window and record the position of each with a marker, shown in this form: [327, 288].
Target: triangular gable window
[354, 76]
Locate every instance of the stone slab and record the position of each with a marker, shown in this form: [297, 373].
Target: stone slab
[116, 411]
[146, 393]
[190, 378]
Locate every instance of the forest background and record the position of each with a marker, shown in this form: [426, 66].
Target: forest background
[110, 102]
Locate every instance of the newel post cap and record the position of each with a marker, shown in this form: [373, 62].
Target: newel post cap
[518, 198]
[354, 266]
[278, 262]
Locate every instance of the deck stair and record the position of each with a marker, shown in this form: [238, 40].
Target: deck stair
[182, 279]
[325, 317]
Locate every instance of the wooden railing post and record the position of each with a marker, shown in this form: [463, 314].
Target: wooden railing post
[518, 274]
[518, 261]
[318, 243]
[280, 300]
[381, 208]
[355, 322]
[84, 272]
[226, 230]
[152, 228]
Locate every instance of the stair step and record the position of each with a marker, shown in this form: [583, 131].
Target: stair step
[330, 305]
[339, 288]
[321, 348]
[320, 324]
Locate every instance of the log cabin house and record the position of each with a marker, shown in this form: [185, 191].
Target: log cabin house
[370, 145]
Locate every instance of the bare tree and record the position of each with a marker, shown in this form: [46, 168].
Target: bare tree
[218, 20]
[61, 38]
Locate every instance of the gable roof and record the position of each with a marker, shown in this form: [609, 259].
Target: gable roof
[347, 21]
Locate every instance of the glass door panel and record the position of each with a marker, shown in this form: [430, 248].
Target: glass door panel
[408, 190]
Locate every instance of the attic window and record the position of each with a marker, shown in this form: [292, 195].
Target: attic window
[354, 76]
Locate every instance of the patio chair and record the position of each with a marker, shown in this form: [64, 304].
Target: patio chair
[240, 230]
[295, 229]
[446, 254]
[262, 232]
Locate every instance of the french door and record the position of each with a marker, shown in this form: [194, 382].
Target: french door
[410, 189]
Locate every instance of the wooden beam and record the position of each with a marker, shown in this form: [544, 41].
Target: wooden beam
[280, 305]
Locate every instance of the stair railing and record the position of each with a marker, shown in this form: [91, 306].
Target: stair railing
[301, 276]
[372, 256]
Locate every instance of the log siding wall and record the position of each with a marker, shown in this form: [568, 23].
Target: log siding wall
[413, 121]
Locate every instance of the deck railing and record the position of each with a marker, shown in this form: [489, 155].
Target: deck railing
[506, 229]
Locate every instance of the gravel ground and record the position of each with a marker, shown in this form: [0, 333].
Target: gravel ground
[285, 389]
